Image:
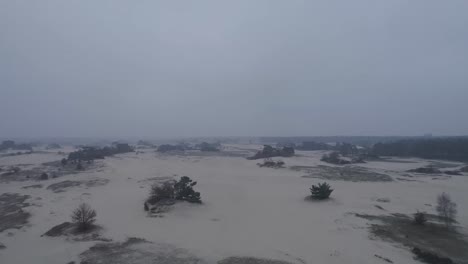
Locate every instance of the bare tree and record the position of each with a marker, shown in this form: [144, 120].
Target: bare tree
[84, 216]
[446, 208]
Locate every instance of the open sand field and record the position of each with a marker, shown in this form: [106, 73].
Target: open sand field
[248, 215]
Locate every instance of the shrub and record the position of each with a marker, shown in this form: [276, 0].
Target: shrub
[321, 191]
[79, 166]
[184, 190]
[446, 209]
[271, 163]
[84, 217]
[419, 218]
[44, 176]
[64, 161]
[161, 192]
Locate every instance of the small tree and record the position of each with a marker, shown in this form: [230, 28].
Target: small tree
[446, 209]
[322, 191]
[419, 218]
[184, 190]
[84, 216]
[64, 162]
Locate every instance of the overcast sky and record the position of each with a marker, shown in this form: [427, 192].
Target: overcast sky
[233, 68]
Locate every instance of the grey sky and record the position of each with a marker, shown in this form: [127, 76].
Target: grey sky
[233, 68]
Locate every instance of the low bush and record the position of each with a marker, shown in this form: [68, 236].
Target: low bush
[161, 192]
[44, 176]
[269, 163]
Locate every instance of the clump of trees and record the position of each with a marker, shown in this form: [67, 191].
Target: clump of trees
[269, 163]
[269, 152]
[10, 144]
[84, 217]
[205, 146]
[446, 208]
[93, 153]
[448, 148]
[312, 145]
[167, 148]
[334, 158]
[321, 191]
[171, 191]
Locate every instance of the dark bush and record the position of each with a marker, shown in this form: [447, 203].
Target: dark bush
[321, 191]
[334, 158]
[64, 162]
[161, 192]
[429, 257]
[419, 218]
[44, 176]
[271, 163]
[79, 166]
[84, 217]
[184, 190]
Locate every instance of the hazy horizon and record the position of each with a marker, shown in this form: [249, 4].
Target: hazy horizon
[165, 69]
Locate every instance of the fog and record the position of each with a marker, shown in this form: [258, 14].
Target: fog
[233, 68]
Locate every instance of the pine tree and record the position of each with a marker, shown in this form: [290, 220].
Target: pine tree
[321, 192]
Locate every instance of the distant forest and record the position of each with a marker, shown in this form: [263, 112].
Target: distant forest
[448, 148]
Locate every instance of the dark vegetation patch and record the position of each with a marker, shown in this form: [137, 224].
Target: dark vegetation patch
[345, 173]
[12, 214]
[453, 173]
[205, 146]
[93, 153]
[432, 236]
[269, 163]
[72, 231]
[46, 170]
[137, 251]
[464, 169]
[169, 148]
[164, 195]
[270, 152]
[34, 186]
[10, 144]
[334, 158]
[251, 260]
[426, 170]
[64, 185]
[447, 148]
